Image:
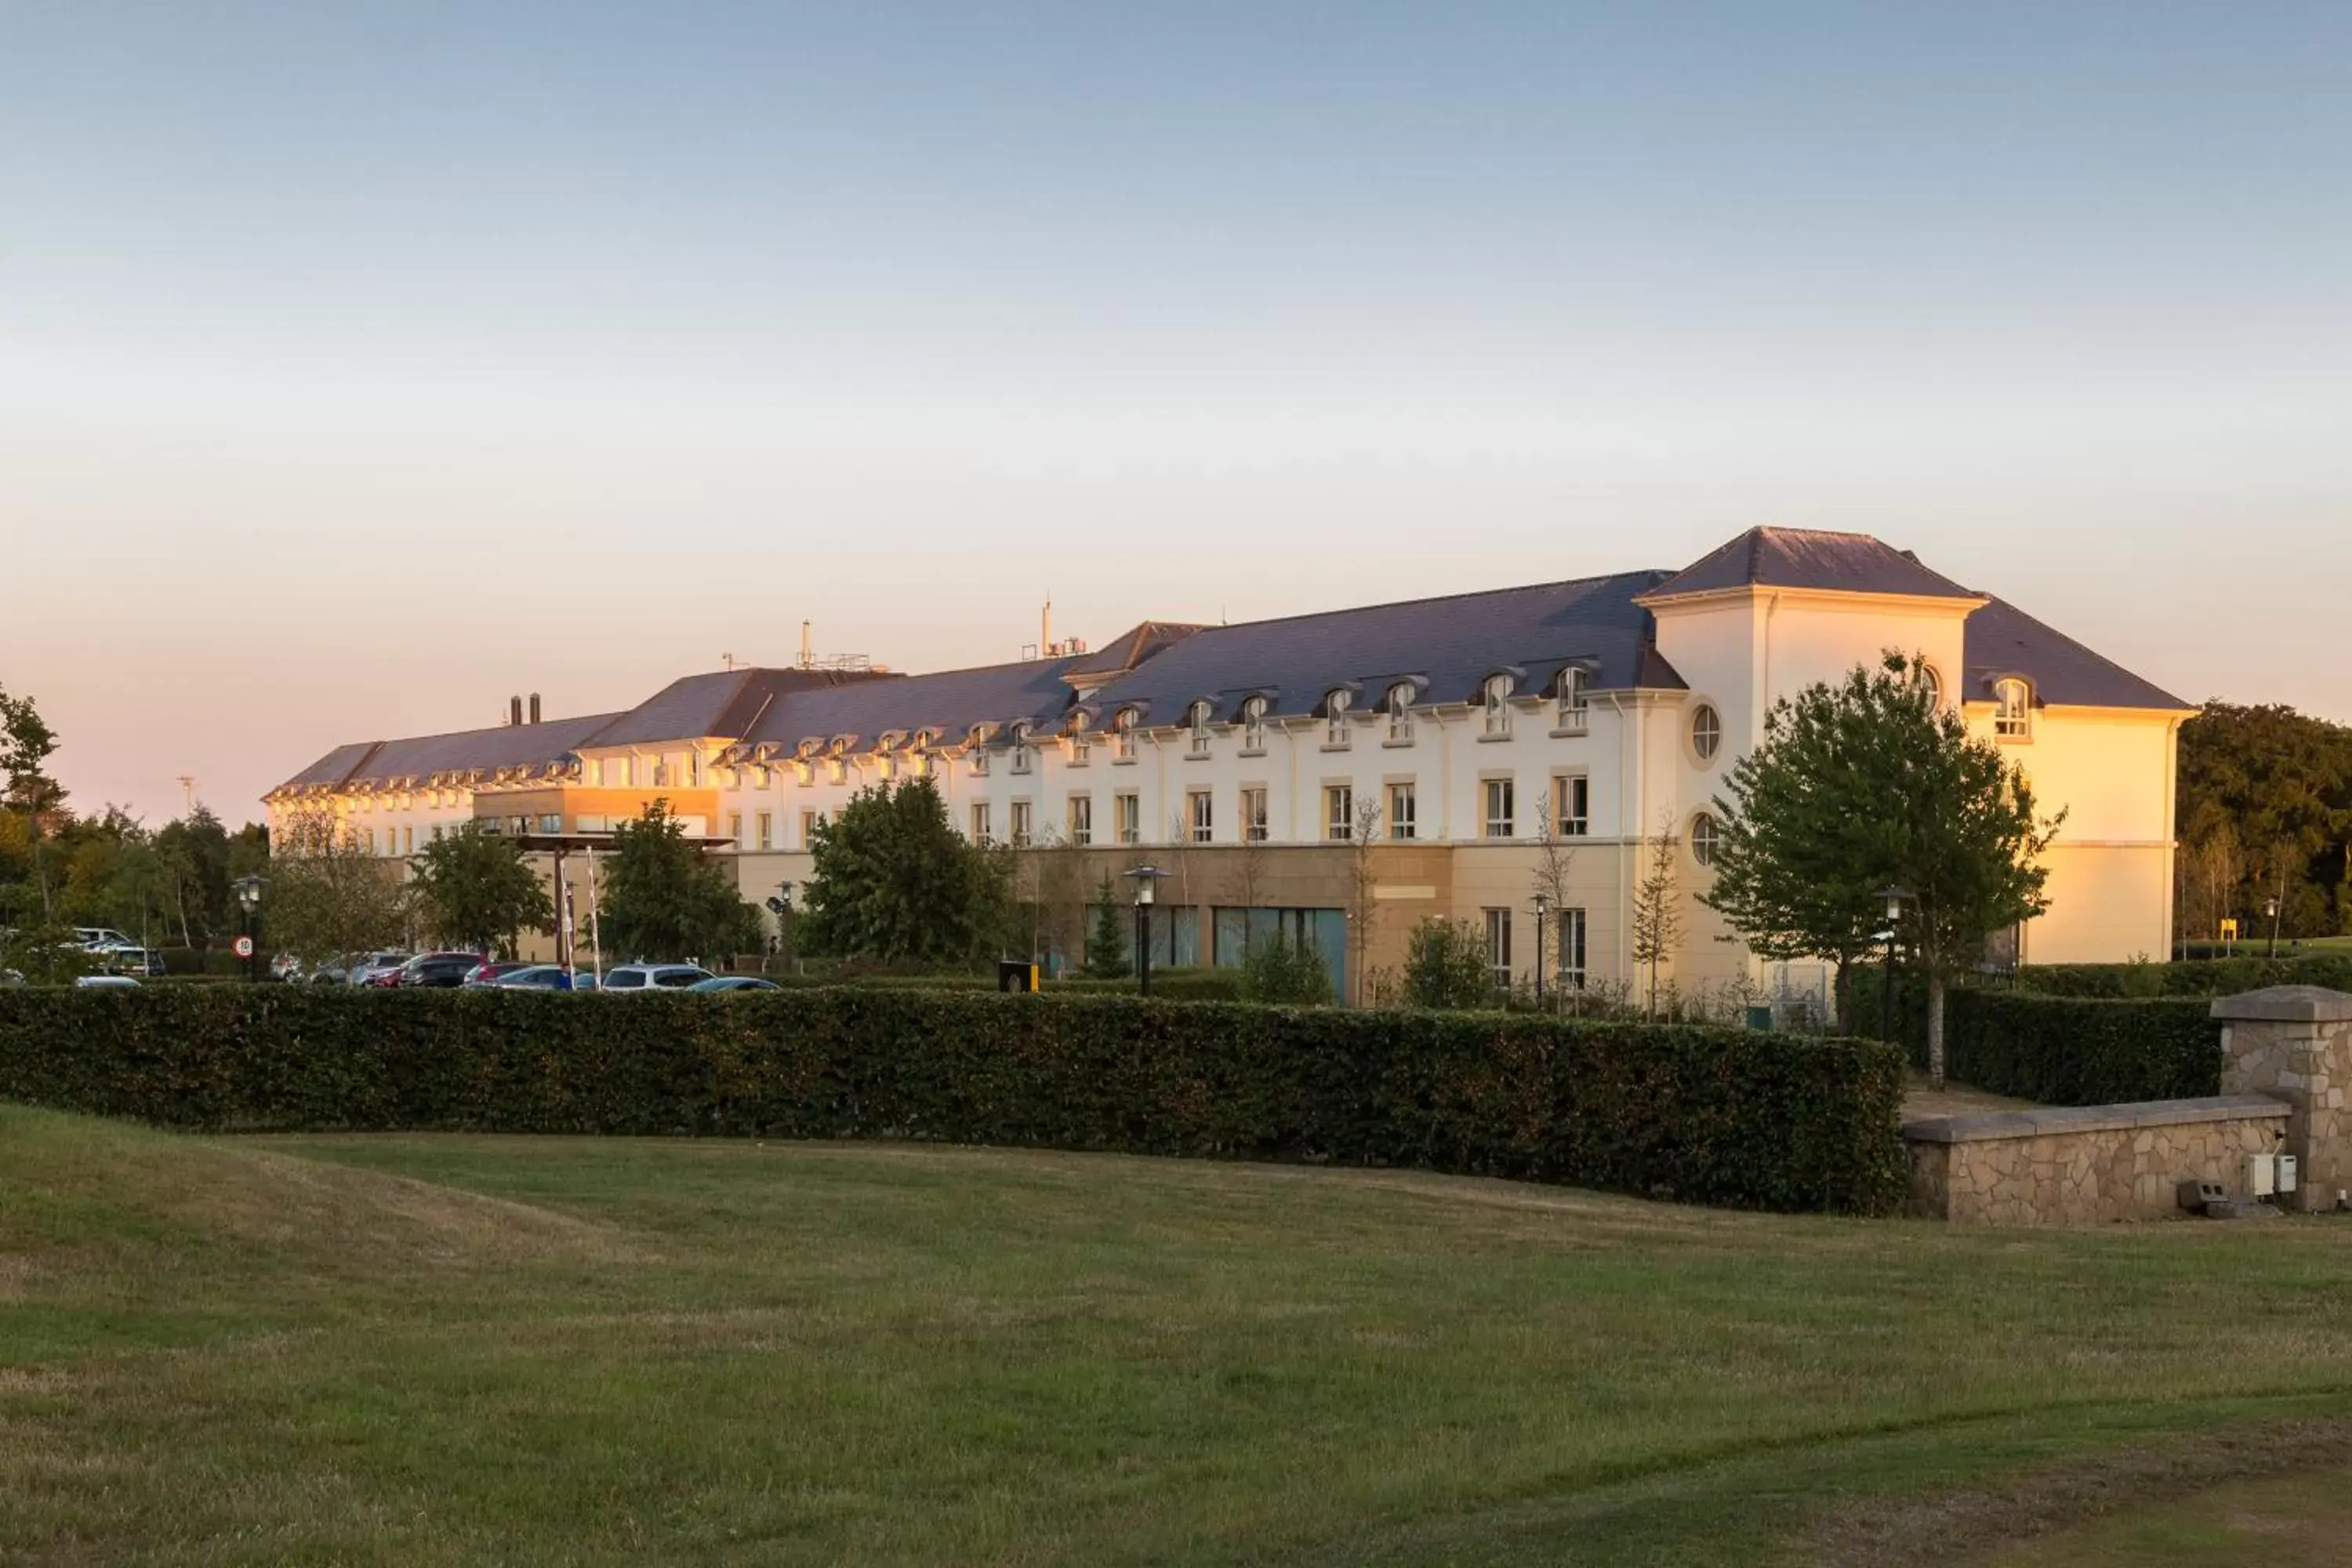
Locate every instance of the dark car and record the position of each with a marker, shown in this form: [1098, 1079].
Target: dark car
[446, 970]
[735, 982]
[539, 977]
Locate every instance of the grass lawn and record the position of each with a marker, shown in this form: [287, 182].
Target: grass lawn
[438, 1350]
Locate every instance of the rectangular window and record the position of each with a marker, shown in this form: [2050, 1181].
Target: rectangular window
[1082, 819]
[1401, 811]
[809, 820]
[1254, 726]
[1338, 734]
[626, 767]
[694, 769]
[1199, 813]
[1021, 824]
[1498, 821]
[1572, 800]
[1129, 808]
[408, 841]
[981, 832]
[370, 840]
[979, 761]
[1571, 950]
[551, 822]
[1200, 739]
[1400, 721]
[1122, 739]
[767, 830]
[1499, 947]
[1339, 811]
[1253, 824]
[735, 827]
[1499, 707]
[1572, 709]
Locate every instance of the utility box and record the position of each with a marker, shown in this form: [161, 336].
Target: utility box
[2261, 1175]
[2290, 1174]
[1014, 976]
[2196, 1195]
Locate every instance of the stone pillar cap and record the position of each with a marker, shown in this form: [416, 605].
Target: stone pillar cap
[2284, 1005]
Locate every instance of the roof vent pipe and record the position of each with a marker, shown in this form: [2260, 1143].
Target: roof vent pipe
[534, 707]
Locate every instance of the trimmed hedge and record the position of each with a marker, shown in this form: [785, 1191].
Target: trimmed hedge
[1187, 984]
[2058, 1050]
[2189, 977]
[1717, 1116]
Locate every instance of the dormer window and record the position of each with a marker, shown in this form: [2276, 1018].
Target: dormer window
[1336, 729]
[1197, 717]
[976, 747]
[1498, 705]
[1254, 724]
[1400, 714]
[1079, 745]
[2013, 718]
[1572, 709]
[1122, 736]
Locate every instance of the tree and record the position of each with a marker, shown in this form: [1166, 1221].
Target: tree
[26, 742]
[1363, 906]
[1552, 878]
[1446, 965]
[327, 895]
[1278, 968]
[2265, 794]
[1656, 932]
[661, 900]
[893, 880]
[1107, 941]
[475, 890]
[1869, 785]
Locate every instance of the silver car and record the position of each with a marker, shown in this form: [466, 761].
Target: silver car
[653, 977]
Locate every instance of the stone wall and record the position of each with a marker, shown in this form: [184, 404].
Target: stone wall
[2295, 1042]
[2086, 1162]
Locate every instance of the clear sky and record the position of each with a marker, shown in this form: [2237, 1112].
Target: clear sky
[361, 364]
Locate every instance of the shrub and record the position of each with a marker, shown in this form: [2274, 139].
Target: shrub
[1704, 1115]
[1277, 970]
[2190, 977]
[1445, 966]
[2061, 1050]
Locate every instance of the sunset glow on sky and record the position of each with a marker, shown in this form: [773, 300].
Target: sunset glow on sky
[362, 364]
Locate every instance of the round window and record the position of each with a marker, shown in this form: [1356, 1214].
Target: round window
[1935, 685]
[1706, 732]
[1703, 837]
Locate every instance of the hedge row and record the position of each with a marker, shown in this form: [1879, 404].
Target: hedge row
[1187, 984]
[1705, 1115]
[2189, 977]
[2058, 1050]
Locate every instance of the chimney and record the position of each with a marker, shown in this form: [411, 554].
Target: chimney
[514, 710]
[1045, 631]
[808, 649]
[534, 707]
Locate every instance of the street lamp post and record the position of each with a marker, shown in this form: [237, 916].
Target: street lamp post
[2270, 910]
[1145, 876]
[1543, 918]
[780, 906]
[248, 899]
[1893, 897]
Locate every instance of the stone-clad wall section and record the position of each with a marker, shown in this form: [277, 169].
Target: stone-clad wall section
[2295, 1042]
[2088, 1163]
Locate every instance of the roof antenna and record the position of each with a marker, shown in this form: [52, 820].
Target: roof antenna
[730, 659]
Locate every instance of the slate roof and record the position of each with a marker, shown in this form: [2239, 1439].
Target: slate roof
[462, 751]
[1812, 558]
[1450, 644]
[2001, 639]
[1123, 653]
[722, 703]
[949, 702]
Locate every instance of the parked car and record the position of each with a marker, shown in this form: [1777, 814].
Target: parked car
[540, 977]
[655, 976]
[105, 982]
[488, 974]
[382, 968]
[127, 958]
[93, 938]
[734, 982]
[11, 977]
[445, 971]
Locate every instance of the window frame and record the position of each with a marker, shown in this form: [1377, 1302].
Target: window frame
[1256, 827]
[1571, 790]
[2012, 723]
[1200, 816]
[1704, 835]
[1339, 813]
[1488, 818]
[1704, 733]
[1252, 724]
[1499, 944]
[1338, 732]
[1495, 695]
[1403, 810]
[1573, 714]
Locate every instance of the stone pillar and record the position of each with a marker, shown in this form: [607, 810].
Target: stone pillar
[2295, 1042]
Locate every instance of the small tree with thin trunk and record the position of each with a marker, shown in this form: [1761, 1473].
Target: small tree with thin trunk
[1870, 785]
[1657, 925]
[1363, 882]
[1550, 880]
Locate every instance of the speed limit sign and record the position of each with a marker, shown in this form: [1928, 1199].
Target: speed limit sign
[244, 947]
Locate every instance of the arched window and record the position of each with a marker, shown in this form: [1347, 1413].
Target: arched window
[2013, 718]
[1706, 733]
[1336, 731]
[1197, 716]
[1935, 685]
[1703, 837]
[1019, 748]
[1400, 713]
[1498, 705]
[1254, 724]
